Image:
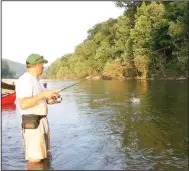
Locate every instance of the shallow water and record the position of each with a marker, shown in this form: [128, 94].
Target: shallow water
[99, 126]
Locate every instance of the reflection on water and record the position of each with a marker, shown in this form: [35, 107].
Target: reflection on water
[9, 107]
[98, 126]
[43, 165]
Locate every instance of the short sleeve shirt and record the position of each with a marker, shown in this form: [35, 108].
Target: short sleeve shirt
[28, 86]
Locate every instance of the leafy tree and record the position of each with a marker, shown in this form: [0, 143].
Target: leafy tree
[114, 70]
[150, 38]
[141, 36]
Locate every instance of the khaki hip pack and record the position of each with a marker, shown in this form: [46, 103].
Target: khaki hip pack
[31, 121]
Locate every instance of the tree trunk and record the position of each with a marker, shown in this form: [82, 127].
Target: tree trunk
[162, 70]
[145, 71]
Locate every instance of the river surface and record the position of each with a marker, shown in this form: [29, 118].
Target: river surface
[101, 126]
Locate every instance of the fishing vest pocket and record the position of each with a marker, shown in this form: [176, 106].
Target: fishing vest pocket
[31, 121]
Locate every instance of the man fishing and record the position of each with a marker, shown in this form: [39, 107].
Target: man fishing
[32, 100]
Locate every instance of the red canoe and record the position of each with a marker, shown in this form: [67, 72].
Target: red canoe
[8, 98]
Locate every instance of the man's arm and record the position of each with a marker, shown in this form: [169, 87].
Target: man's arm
[28, 102]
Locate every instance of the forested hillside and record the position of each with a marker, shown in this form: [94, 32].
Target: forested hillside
[148, 40]
[6, 71]
[18, 68]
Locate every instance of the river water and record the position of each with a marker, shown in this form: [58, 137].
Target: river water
[99, 125]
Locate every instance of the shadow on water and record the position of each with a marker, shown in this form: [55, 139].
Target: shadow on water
[98, 126]
[43, 165]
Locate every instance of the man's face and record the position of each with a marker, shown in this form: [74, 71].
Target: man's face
[39, 68]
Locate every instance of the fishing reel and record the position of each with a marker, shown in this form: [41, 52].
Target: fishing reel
[57, 99]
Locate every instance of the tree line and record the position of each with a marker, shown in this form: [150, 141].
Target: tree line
[149, 40]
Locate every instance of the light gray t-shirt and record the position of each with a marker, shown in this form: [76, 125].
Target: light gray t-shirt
[28, 86]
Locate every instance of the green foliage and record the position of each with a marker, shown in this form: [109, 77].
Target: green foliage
[156, 12]
[148, 39]
[122, 35]
[123, 3]
[142, 40]
[160, 35]
[114, 70]
[177, 11]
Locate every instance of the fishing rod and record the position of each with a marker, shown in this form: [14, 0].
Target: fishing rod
[59, 98]
[85, 79]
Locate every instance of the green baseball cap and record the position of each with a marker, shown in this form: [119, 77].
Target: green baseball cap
[35, 59]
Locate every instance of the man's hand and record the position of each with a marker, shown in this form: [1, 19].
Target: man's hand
[50, 93]
[50, 101]
[32, 101]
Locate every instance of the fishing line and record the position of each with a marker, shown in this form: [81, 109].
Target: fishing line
[59, 98]
[85, 79]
